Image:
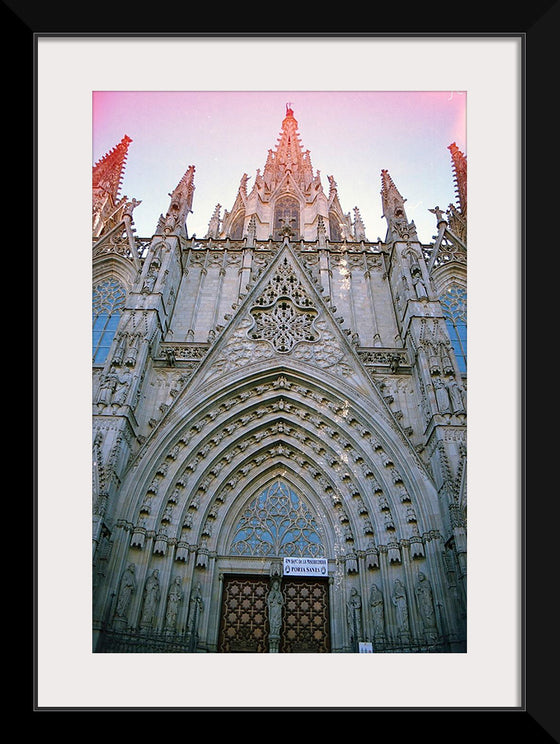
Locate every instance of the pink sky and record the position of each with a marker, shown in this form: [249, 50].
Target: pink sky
[351, 135]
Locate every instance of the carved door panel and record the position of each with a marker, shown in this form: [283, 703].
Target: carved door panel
[305, 617]
[244, 623]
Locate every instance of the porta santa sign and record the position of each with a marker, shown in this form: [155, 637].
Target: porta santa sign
[305, 567]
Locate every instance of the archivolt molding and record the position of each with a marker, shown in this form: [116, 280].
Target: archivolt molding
[114, 266]
[194, 413]
[357, 480]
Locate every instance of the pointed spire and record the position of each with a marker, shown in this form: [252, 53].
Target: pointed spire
[109, 171]
[359, 228]
[457, 214]
[214, 224]
[398, 227]
[288, 157]
[107, 204]
[391, 200]
[459, 163]
[181, 204]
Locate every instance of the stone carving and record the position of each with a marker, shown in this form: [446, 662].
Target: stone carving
[354, 616]
[174, 598]
[425, 602]
[126, 590]
[122, 387]
[275, 602]
[419, 287]
[150, 280]
[442, 396]
[196, 607]
[377, 604]
[114, 388]
[151, 599]
[284, 325]
[107, 388]
[400, 602]
[456, 396]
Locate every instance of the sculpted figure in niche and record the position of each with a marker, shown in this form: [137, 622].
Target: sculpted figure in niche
[456, 396]
[119, 353]
[354, 615]
[377, 605]
[132, 352]
[419, 286]
[442, 396]
[149, 281]
[401, 606]
[126, 590]
[196, 606]
[151, 599]
[425, 601]
[275, 601]
[121, 388]
[174, 598]
[107, 388]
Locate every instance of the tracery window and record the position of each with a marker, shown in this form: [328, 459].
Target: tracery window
[108, 299]
[286, 218]
[334, 222]
[454, 305]
[283, 314]
[277, 523]
[236, 232]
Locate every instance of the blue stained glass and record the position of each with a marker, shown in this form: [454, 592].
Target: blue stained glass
[454, 305]
[277, 523]
[108, 299]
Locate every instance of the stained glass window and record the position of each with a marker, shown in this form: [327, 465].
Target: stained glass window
[277, 523]
[454, 305]
[334, 222]
[286, 218]
[108, 299]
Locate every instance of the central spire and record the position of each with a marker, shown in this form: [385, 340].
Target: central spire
[289, 156]
[286, 200]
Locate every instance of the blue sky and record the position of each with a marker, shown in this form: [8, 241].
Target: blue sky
[351, 135]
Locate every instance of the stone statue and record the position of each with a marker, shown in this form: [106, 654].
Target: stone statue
[419, 287]
[401, 604]
[151, 599]
[196, 607]
[354, 615]
[121, 388]
[442, 396]
[377, 605]
[174, 598]
[107, 389]
[456, 396]
[425, 601]
[150, 280]
[275, 601]
[126, 590]
[120, 350]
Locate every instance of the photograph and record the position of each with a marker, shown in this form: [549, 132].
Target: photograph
[279, 363]
[253, 488]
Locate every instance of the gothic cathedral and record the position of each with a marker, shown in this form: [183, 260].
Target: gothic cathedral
[279, 420]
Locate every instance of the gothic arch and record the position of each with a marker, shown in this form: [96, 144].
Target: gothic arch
[254, 487]
[116, 267]
[359, 474]
[237, 224]
[287, 216]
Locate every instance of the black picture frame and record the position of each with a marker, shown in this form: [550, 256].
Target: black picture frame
[538, 26]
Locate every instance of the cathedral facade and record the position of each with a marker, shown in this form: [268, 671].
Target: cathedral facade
[279, 420]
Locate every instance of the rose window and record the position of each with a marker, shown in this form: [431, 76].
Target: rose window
[284, 325]
[284, 315]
